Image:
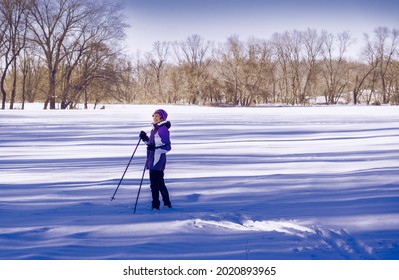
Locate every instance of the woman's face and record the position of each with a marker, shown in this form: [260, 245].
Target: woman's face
[156, 118]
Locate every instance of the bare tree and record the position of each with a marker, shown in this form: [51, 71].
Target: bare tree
[388, 41]
[381, 52]
[141, 85]
[313, 44]
[157, 62]
[14, 15]
[64, 28]
[32, 74]
[3, 49]
[193, 56]
[335, 70]
[3, 41]
[259, 72]
[232, 57]
[246, 70]
[288, 49]
[94, 64]
[298, 54]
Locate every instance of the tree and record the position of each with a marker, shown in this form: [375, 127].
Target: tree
[232, 58]
[3, 49]
[32, 72]
[14, 14]
[335, 70]
[381, 52]
[64, 29]
[193, 56]
[313, 44]
[260, 71]
[288, 49]
[157, 62]
[246, 70]
[298, 54]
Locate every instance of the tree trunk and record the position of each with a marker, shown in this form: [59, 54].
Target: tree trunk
[3, 91]
[14, 85]
[51, 93]
[4, 96]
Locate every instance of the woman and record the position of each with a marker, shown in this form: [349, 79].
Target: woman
[158, 144]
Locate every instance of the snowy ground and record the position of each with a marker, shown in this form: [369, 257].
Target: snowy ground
[246, 183]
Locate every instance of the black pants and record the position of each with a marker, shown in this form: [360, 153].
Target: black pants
[158, 186]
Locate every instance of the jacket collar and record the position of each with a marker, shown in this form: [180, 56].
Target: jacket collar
[160, 123]
[166, 123]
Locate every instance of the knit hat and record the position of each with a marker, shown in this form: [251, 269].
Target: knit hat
[162, 113]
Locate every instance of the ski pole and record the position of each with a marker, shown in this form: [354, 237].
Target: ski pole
[113, 197]
[138, 193]
[141, 182]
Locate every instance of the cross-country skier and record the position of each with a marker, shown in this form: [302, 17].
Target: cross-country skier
[158, 144]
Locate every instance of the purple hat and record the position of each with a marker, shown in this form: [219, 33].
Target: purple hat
[162, 113]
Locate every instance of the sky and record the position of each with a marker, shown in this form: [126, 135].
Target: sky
[215, 20]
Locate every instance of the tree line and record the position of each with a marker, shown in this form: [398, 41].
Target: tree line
[67, 52]
[293, 67]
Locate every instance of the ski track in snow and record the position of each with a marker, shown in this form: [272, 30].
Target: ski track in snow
[271, 183]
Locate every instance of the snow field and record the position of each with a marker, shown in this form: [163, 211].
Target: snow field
[246, 183]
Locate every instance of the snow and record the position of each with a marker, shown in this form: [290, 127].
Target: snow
[289, 183]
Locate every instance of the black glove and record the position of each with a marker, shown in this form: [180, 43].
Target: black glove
[151, 147]
[143, 136]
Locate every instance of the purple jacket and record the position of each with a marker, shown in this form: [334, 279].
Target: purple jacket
[159, 137]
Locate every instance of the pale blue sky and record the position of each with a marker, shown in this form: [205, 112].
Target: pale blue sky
[215, 20]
